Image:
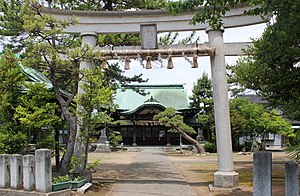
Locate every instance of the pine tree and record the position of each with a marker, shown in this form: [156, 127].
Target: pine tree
[176, 124]
[202, 101]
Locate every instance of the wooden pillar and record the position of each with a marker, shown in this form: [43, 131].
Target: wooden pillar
[168, 138]
[134, 135]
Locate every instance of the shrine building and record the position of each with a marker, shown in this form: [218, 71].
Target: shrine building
[135, 113]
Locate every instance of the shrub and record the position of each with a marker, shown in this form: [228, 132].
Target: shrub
[92, 166]
[78, 178]
[114, 139]
[11, 140]
[60, 179]
[210, 147]
[246, 147]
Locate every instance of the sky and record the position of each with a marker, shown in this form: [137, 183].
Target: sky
[182, 72]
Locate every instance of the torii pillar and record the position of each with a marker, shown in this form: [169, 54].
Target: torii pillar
[88, 38]
[225, 177]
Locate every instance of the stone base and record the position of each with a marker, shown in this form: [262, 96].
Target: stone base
[212, 188]
[9, 192]
[102, 148]
[226, 179]
[102, 139]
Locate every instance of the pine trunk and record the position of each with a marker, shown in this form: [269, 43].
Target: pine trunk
[188, 138]
[70, 146]
[71, 120]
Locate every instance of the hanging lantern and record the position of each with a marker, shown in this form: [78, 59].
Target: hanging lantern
[127, 61]
[170, 62]
[104, 64]
[195, 63]
[148, 64]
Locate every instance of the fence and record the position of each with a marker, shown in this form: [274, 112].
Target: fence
[28, 172]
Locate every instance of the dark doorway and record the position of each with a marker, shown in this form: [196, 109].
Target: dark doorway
[151, 135]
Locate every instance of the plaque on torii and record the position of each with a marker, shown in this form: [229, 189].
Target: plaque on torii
[148, 36]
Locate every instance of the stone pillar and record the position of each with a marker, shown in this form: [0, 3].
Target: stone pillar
[200, 137]
[103, 138]
[88, 38]
[103, 143]
[262, 174]
[28, 173]
[225, 177]
[291, 179]
[4, 171]
[16, 172]
[43, 170]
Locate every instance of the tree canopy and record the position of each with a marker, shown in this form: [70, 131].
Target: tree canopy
[252, 119]
[176, 124]
[26, 108]
[42, 43]
[272, 65]
[202, 101]
[13, 136]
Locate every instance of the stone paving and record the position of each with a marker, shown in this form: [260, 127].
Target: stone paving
[151, 173]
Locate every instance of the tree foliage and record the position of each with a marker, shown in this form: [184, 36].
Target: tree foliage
[211, 12]
[13, 137]
[26, 109]
[46, 47]
[172, 120]
[272, 66]
[176, 124]
[251, 119]
[294, 152]
[43, 50]
[202, 100]
[95, 106]
[109, 5]
[37, 107]
[38, 114]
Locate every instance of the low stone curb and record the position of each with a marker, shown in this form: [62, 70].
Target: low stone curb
[10, 192]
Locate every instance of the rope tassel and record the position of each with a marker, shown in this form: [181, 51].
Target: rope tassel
[195, 62]
[170, 62]
[148, 64]
[104, 64]
[127, 61]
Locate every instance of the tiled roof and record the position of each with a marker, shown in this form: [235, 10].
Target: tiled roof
[254, 98]
[167, 95]
[36, 76]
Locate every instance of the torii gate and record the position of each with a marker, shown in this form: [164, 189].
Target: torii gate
[148, 23]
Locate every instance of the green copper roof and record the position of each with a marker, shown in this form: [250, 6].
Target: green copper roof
[167, 95]
[36, 76]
